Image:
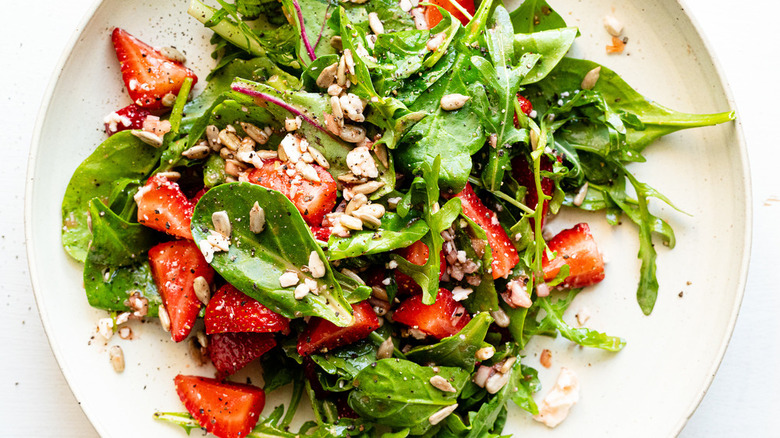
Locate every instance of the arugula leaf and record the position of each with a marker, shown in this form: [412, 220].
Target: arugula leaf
[398, 393]
[255, 261]
[534, 16]
[426, 190]
[118, 163]
[394, 233]
[582, 336]
[116, 265]
[457, 350]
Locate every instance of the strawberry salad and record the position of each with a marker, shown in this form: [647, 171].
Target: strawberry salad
[358, 200]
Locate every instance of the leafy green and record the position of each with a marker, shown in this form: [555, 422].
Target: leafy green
[534, 16]
[118, 163]
[398, 393]
[457, 350]
[582, 336]
[425, 190]
[341, 366]
[255, 262]
[116, 265]
[394, 233]
[551, 44]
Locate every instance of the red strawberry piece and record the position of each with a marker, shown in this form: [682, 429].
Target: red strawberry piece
[504, 252]
[523, 172]
[175, 266]
[230, 310]
[228, 410]
[229, 352]
[130, 117]
[148, 74]
[164, 207]
[433, 16]
[525, 106]
[416, 253]
[321, 233]
[577, 248]
[322, 335]
[441, 319]
[313, 199]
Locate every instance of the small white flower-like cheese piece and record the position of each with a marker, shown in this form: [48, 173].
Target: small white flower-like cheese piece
[556, 404]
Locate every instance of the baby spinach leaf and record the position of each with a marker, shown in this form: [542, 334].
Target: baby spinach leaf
[534, 16]
[120, 159]
[398, 393]
[551, 44]
[255, 261]
[341, 366]
[457, 350]
[394, 233]
[116, 265]
[311, 106]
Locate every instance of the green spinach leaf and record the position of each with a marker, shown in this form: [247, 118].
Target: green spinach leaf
[457, 350]
[394, 233]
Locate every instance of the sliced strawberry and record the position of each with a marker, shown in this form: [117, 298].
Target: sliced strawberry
[229, 310]
[148, 74]
[443, 318]
[525, 106]
[577, 248]
[523, 172]
[321, 233]
[416, 253]
[229, 352]
[164, 207]
[322, 335]
[228, 410]
[504, 253]
[433, 16]
[175, 266]
[313, 199]
[130, 117]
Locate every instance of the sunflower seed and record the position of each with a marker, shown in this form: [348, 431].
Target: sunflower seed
[368, 220]
[202, 289]
[375, 210]
[256, 218]
[501, 318]
[441, 414]
[341, 72]
[507, 365]
[352, 133]
[173, 54]
[170, 175]
[301, 291]
[307, 171]
[368, 188]
[420, 22]
[316, 265]
[117, 358]
[451, 102]
[332, 124]
[197, 152]
[351, 223]
[385, 350]
[255, 133]
[435, 42]
[482, 375]
[327, 76]
[349, 61]
[496, 382]
[148, 138]
[613, 26]
[288, 279]
[405, 5]
[381, 153]
[229, 139]
[375, 23]
[336, 43]
[335, 90]
[356, 202]
[590, 79]
[353, 107]
[267, 155]
[442, 384]
[212, 136]
[319, 158]
[165, 320]
[485, 353]
[221, 223]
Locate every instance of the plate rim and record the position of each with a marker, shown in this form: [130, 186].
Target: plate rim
[725, 87]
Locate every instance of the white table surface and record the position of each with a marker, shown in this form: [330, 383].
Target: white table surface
[744, 399]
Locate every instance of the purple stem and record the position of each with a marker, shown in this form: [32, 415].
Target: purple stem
[305, 37]
[322, 28]
[279, 102]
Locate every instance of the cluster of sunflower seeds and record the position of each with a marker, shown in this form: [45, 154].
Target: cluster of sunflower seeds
[359, 214]
[493, 378]
[299, 157]
[219, 238]
[138, 308]
[458, 263]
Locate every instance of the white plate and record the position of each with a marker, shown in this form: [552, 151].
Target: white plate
[649, 389]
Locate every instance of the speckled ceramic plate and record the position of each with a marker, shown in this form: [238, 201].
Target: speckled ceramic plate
[649, 389]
